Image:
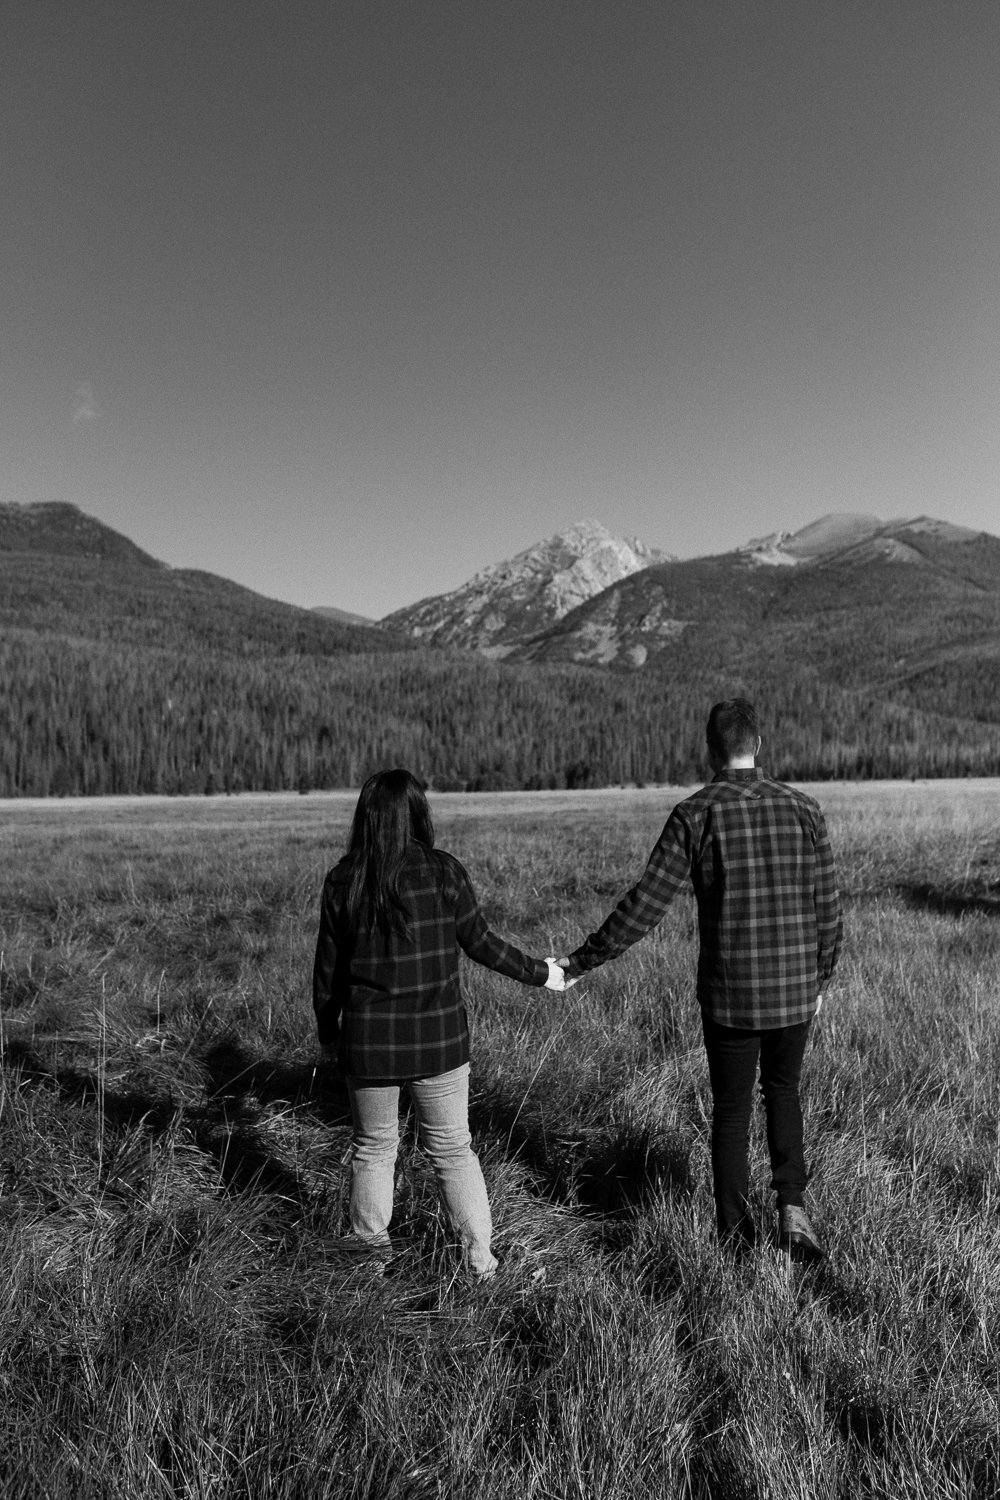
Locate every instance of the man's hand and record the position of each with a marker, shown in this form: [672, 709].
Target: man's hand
[831, 986]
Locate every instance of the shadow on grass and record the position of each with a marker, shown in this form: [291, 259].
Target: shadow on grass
[245, 1163]
[123, 1107]
[224, 1127]
[868, 1424]
[619, 1174]
[612, 1172]
[951, 903]
[234, 1072]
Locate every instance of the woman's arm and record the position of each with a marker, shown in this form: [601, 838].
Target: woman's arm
[482, 945]
[324, 965]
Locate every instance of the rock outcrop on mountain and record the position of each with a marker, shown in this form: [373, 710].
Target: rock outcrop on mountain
[509, 603]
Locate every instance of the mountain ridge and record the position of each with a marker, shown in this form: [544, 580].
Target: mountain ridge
[843, 531]
[553, 602]
[64, 571]
[343, 616]
[58, 528]
[910, 566]
[119, 674]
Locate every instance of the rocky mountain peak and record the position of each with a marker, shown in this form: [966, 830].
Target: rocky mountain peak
[508, 602]
[582, 537]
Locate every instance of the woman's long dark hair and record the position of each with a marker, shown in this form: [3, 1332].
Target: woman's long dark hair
[391, 810]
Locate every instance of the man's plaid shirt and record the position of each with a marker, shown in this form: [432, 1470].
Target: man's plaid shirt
[395, 1006]
[758, 856]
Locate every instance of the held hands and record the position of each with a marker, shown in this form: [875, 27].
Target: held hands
[557, 977]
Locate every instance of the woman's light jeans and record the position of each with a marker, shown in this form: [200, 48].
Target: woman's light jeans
[441, 1105]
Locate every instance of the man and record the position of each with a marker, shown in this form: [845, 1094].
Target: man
[757, 853]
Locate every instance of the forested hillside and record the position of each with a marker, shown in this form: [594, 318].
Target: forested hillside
[86, 717]
[182, 610]
[120, 675]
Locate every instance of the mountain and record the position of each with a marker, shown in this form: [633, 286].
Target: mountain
[829, 534]
[510, 602]
[908, 610]
[64, 571]
[589, 598]
[875, 652]
[61, 530]
[857, 535]
[343, 616]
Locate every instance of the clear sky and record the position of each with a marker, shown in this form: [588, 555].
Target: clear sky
[346, 300]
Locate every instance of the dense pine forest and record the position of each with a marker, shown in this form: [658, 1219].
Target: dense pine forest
[120, 675]
[91, 717]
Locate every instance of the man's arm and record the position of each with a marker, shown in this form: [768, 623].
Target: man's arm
[644, 905]
[829, 921]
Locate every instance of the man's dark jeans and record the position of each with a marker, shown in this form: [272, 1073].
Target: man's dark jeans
[732, 1066]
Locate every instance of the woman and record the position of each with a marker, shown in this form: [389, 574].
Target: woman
[386, 991]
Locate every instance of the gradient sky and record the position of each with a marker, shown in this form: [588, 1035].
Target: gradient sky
[345, 301]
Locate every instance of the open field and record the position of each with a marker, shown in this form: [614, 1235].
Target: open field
[177, 1319]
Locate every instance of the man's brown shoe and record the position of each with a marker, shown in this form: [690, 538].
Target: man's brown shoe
[797, 1236]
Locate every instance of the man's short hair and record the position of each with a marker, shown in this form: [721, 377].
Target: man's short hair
[732, 729]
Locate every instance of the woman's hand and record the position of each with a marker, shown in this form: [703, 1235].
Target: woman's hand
[557, 976]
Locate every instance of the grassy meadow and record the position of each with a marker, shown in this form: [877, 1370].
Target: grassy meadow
[177, 1318]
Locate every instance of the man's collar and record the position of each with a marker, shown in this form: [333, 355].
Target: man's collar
[741, 773]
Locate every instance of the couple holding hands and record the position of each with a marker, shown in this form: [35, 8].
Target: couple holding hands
[387, 994]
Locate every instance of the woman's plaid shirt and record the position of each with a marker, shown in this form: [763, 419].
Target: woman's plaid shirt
[395, 1006]
[758, 856]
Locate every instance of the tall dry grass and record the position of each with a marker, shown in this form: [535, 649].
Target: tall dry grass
[177, 1317]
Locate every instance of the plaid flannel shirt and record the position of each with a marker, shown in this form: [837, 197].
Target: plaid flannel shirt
[395, 1006]
[758, 856]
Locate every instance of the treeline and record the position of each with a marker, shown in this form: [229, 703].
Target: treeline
[97, 717]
